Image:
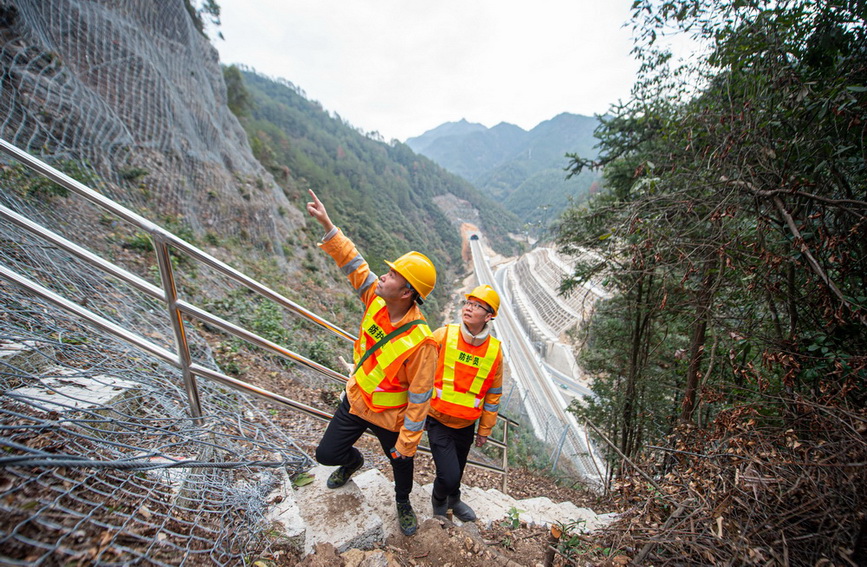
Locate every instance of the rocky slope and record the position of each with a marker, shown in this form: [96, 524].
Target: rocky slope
[136, 92]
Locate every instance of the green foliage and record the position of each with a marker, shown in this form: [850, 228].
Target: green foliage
[206, 10]
[731, 223]
[140, 242]
[302, 479]
[320, 351]
[514, 518]
[542, 197]
[570, 544]
[239, 98]
[132, 174]
[176, 224]
[526, 450]
[34, 186]
[276, 324]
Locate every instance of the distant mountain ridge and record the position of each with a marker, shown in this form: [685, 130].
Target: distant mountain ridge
[523, 170]
[460, 128]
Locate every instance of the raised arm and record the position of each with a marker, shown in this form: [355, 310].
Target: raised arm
[317, 210]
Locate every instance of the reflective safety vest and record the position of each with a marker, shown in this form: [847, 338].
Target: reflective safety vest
[378, 356]
[463, 378]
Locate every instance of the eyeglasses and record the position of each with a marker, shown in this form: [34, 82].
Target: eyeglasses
[474, 305]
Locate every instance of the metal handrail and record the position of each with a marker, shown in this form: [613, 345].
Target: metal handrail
[163, 240]
[157, 232]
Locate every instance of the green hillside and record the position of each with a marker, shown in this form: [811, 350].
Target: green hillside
[381, 194]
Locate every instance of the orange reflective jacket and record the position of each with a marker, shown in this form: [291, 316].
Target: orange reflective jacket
[464, 375]
[376, 374]
[415, 375]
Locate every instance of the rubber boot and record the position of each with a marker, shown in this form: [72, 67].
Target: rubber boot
[440, 507]
[461, 511]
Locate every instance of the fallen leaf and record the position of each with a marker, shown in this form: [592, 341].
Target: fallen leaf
[302, 479]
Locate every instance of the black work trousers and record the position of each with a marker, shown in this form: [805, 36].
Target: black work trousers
[450, 448]
[336, 447]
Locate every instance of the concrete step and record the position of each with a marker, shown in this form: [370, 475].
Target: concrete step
[489, 505]
[543, 511]
[28, 357]
[285, 515]
[493, 506]
[64, 389]
[378, 492]
[342, 517]
[362, 513]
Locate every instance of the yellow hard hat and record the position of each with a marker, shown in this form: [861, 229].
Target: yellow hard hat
[418, 270]
[487, 294]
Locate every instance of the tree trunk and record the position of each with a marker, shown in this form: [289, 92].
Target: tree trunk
[627, 437]
[632, 433]
[697, 341]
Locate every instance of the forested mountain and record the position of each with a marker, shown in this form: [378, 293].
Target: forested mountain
[523, 170]
[381, 194]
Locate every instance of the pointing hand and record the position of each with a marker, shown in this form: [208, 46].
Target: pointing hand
[317, 210]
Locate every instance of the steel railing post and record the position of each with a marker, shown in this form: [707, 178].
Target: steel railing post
[505, 455]
[183, 348]
[559, 448]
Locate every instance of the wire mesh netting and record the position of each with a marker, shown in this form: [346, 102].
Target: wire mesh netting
[133, 90]
[102, 463]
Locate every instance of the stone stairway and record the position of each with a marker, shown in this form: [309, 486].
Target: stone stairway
[362, 512]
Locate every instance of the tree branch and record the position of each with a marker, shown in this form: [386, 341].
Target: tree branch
[814, 264]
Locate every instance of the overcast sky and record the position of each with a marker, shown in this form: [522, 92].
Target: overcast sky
[402, 67]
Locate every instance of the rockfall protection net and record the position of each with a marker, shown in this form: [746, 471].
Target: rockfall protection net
[102, 463]
[132, 89]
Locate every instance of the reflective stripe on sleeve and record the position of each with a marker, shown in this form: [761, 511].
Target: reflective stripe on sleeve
[371, 277]
[492, 407]
[352, 265]
[411, 425]
[419, 398]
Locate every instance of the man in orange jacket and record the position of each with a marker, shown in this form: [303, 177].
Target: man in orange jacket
[467, 387]
[395, 357]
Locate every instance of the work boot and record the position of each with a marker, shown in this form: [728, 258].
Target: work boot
[406, 518]
[440, 507]
[461, 511]
[339, 477]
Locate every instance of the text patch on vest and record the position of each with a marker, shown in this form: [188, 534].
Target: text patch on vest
[469, 359]
[375, 332]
